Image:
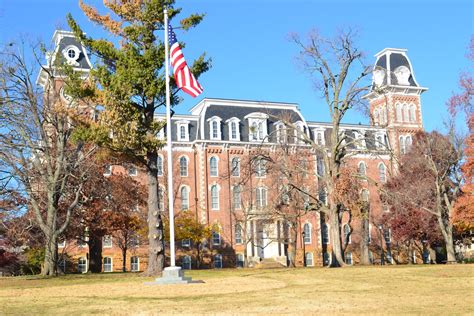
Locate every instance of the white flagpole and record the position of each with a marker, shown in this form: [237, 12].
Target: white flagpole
[168, 140]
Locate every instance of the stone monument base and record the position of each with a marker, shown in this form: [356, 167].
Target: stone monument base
[172, 275]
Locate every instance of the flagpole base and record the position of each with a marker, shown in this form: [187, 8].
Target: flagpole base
[173, 275]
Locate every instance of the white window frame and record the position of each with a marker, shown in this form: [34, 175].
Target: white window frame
[348, 255]
[347, 234]
[299, 129]
[325, 228]
[412, 111]
[281, 132]
[62, 243]
[237, 206]
[406, 113]
[107, 170]
[181, 173]
[399, 112]
[179, 136]
[160, 164]
[215, 205]
[186, 243]
[218, 259]
[384, 179]
[237, 260]
[311, 264]
[111, 264]
[216, 169]
[85, 264]
[261, 197]
[238, 232]
[136, 264]
[260, 168]
[260, 120]
[216, 236]
[359, 139]
[320, 132]
[106, 240]
[184, 198]
[132, 171]
[161, 134]
[229, 123]
[217, 120]
[364, 174]
[235, 170]
[187, 262]
[308, 238]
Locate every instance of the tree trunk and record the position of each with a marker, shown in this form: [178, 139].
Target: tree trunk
[337, 259]
[156, 245]
[293, 243]
[124, 259]
[447, 230]
[364, 242]
[95, 254]
[50, 259]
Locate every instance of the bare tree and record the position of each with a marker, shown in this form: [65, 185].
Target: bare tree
[35, 144]
[337, 65]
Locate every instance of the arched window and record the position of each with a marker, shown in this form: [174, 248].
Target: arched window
[376, 117]
[309, 259]
[214, 197]
[254, 131]
[412, 113]
[183, 166]
[233, 130]
[399, 113]
[382, 173]
[236, 197]
[402, 145]
[215, 132]
[238, 234]
[235, 167]
[107, 264]
[261, 197]
[184, 198]
[348, 258]
[213, 167]
[307, 233]
[159, 165]
[325, 234]
[182, 132]
[406, 113]
[319, 138]
[218, 261]
[260, 168]
[362, 169]
[408, 143]
[347, 234]
[260, 130]
[186, 262]
[240, 261]
[216, 238]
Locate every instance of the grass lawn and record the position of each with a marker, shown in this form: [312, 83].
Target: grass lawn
[436, 289]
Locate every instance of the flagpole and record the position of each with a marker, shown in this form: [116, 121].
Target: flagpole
[168, 141]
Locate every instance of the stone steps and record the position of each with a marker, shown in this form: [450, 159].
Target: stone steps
[269, 264]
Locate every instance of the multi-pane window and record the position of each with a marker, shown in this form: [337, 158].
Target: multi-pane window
[235, 167]
[216, 238]
[307, 233]
[320, 166]
[412, 113]
[107, 264]
[233, 130]
[309, 259]
[405, 112]
[182, 132]
[184, 198]
[323, 196]
[107, 170]
[132, 171]
[347, 234]
[214, 171]
[382, 173]
[399, 113]
[348, 258]
[319, 138]
[215, 131]
[325, 234]
[362, 170]
[183, 166]
[186, 262]
[236, 197]
[326, 259]
[238, 234]
[402, 145]
[159, 165]
[261, 197]
[214, 197]
[134, 264]
[260, 168]
[218, 261]
[82, 265]
[186, 243]
[364, 195]
[107, 241]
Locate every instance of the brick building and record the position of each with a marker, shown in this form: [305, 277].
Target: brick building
[218, 138]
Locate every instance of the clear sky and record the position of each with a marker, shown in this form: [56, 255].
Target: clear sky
[253, 59]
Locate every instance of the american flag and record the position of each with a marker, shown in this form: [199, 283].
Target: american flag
[183, 76]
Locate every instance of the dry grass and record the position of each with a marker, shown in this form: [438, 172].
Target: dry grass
[356, 290]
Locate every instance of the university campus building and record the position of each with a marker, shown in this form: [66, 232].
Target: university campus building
[212, 145]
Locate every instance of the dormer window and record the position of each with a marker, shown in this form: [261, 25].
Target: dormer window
[359, 139]
[319, 136]
[71, 54]
[280, 132]
[380, 140]
[234, 131]
[214, 128]
[403, 74]
[182, 130]
[299, 132]
[257, 126]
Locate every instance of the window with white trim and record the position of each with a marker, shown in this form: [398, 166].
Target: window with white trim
[376, 117]
[184, 198]
[412, 113]
[382, 173]
[362, 169]
[214, 167]
[326, 259]
[186, 243]
[348, 258]
[309, 259]
[218, 261]
[307, 233]
[235, 167]
[238, 234]
[347, 234]
[214, 197]
[108, 170]
[319, 137]
[161, 134]
[107, 241]
[406, 113]
[216, 238]
[359, 139]
[402, 145]
[299, 132]
[399, 112]
[62, 243]
[159, 165]
[134, 264]
[257, 126]
[261, 197]
[281, 135]
[240, 260]
[236, 197]
[182, 130]
[215, 128]
[186, 262]
[234, 130]
[183, 166]
[325, 234]
[408, 143]
[107, 264]
[82, 265]
[132, 171]
[260, 168]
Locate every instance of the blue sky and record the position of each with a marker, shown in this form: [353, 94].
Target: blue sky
[253, 59]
